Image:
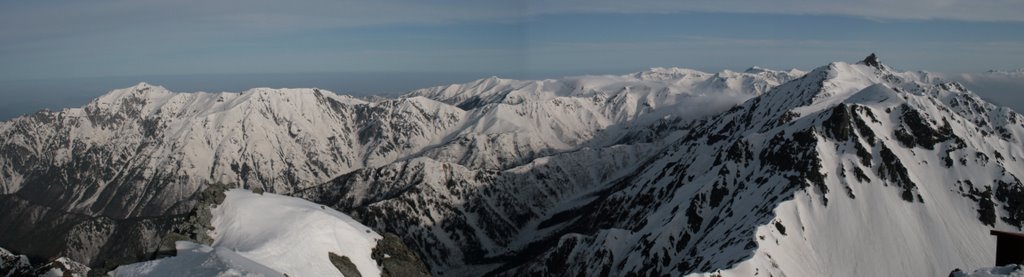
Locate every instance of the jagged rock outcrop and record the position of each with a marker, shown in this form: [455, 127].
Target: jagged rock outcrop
[395, 259]
[15, 265]
[344, 265]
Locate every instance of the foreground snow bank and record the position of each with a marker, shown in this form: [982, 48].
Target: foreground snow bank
[269, 235]
[198, 260]
[1007, 270]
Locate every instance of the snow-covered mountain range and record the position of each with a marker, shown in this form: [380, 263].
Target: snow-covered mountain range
[849, 169]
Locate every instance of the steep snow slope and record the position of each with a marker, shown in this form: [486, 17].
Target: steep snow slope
[465, 221]
[269, 235]
[198, 260]
[102, 183]
[139, 151]
[851, 170]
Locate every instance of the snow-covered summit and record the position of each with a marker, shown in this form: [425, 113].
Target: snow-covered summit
[279, 139]
[270, 235]
[849, 170]
[822, 175]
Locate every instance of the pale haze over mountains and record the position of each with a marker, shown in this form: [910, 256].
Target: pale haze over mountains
[28, 96]
[61, 54]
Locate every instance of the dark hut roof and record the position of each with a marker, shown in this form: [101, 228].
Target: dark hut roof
[1007, 234]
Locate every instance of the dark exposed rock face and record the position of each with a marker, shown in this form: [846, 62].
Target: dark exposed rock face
[101, 243]
[344, 264]
[1011, 193]
[195, 225]
[839, 124]
[396, 260]
[872, 61]
[15, 265]
[986, 208]
[921, 133]
[892, 170]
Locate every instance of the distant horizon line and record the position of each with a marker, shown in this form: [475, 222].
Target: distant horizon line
[509, 74]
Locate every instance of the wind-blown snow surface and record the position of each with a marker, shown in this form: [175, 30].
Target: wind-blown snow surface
[269, 235]
[198, 260]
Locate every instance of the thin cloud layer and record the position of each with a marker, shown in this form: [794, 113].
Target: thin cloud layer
[45, 18]
[36, 19]
[966, 10]
[63, 38]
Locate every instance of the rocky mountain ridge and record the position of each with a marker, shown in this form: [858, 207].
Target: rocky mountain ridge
[663, 172]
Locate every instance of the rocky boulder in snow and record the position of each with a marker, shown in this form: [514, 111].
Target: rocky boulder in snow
[998, 271]
[395, 259]
[14, 265]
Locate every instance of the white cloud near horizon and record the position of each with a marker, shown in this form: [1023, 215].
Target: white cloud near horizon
[961, 10]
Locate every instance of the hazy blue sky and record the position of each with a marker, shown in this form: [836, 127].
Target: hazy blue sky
[213, 45]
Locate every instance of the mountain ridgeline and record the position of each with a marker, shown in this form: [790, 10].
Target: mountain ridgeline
[849, 169]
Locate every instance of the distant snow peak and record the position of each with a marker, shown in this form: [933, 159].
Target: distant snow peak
[1019, 72]
[755, 69]
[668, 73]
[142, 85]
